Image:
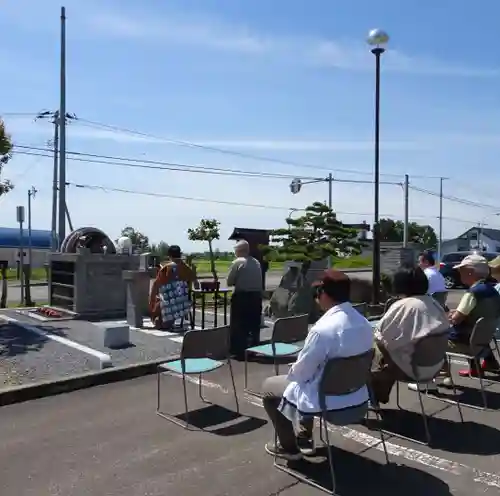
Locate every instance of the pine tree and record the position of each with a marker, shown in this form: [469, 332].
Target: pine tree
[5, 156]
[316, 235]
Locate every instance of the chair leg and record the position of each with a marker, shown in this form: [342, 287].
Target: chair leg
[481, 382]
[234, 386]
[185, 400]
[200, 389]
[245, 387]
[379, 419]
[457, 400]
[158, 389]
[398, 403]
[424, 416]
[324, 425]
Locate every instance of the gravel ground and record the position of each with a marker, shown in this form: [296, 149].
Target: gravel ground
[26, 357]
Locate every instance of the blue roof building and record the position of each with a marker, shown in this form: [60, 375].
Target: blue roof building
[10, 238]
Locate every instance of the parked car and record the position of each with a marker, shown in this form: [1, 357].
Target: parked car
[451, 275]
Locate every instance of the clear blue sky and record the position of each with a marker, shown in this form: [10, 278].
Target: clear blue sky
[290, 79]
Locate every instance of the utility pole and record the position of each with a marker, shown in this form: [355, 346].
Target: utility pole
[54, 119]
[31, 195]
[440, 243]
[62, 133]
[406, 209]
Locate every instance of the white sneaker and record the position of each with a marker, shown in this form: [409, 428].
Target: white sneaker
[430, 387]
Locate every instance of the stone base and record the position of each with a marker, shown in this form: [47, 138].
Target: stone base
[114, 335]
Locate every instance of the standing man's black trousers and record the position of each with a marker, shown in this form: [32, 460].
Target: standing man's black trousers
[246, 311]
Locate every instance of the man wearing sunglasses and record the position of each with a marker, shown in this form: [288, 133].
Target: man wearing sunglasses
[292, 400]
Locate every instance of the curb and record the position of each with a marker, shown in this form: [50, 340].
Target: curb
[20, 394]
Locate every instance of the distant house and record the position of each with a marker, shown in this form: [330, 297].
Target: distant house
[476, 238]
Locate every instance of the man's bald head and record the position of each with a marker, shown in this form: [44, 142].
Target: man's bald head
[242, 248]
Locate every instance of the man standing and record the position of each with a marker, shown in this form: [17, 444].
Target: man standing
[245, 275]
[437, 285]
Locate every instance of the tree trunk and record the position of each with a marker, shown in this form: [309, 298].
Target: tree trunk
[212, 261]
[3, 301]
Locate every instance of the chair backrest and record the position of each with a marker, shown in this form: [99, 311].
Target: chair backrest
[290, 329]
[207, 343]
[482, 334]
[361, 308]
[390, 302]
[440, 297]
[344, 375]
[429, 351]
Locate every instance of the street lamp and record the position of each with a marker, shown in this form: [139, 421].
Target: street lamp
[377, 39]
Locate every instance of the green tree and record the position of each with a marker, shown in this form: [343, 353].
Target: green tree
[313, 237]
[393, 231]
[208, 230]
[5, 156]
[139, 240]
[160, 250]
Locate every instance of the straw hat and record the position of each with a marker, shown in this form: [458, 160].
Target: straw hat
[495, 265]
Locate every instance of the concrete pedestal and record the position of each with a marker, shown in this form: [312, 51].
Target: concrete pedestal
[114, 335]
[137, 284]
[90, 284]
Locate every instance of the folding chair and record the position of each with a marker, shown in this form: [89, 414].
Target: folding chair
[441, 298]
[341, 376]
[202, 352]
[481, 339]
[430, 351]
[362, 308]
[287, 339]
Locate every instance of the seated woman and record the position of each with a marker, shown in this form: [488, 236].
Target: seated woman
[169, 297]
[413, 316]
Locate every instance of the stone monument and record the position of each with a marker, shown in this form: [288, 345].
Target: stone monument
[86, 277]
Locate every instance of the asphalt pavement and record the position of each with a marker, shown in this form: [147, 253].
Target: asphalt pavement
[108, 441]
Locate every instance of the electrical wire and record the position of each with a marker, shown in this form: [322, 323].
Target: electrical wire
[239, 204]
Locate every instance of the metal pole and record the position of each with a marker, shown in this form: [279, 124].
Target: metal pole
[30, 194]
[376, 232]
[68, 217]
[54, 183]
[330, 203]
[406, 208]
[440, 244]
[62, 131]
[21, 260]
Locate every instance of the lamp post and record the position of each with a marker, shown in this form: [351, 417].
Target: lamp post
[377, 39]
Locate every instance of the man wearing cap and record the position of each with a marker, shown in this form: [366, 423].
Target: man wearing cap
[481, 300]
[292, 400]
[245, 275]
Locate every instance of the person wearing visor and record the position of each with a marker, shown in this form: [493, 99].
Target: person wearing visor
[292, 400]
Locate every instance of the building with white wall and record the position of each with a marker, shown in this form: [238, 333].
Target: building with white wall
[476, 238]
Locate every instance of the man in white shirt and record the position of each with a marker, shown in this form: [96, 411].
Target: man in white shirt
[293, 399]
[437, 285]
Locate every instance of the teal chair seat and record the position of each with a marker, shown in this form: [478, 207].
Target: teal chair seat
[193, 365]
[282, 349]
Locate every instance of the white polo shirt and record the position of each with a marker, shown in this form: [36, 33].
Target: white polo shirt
[436, 281]
[341, 332]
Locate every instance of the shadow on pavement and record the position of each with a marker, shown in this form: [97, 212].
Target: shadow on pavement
[213, 419]
[453, 436]
[15, 340]
[355, 474]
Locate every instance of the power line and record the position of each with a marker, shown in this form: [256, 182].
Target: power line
[233, 203]
[161, 165]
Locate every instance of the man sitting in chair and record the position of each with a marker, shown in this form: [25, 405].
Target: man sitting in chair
[293, 399]
[480, 300]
